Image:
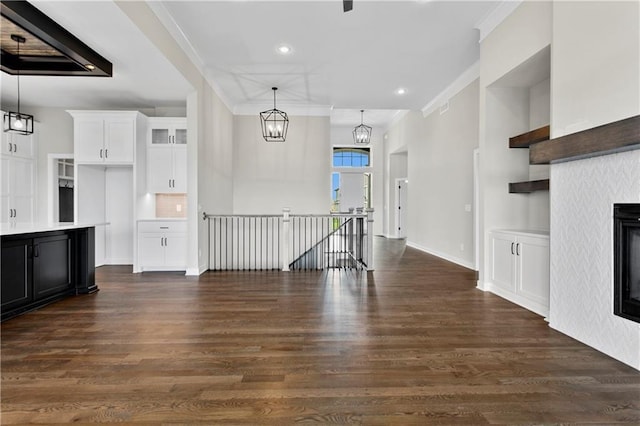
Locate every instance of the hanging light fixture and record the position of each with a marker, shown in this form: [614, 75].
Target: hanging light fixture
[17, 122]
[275, 123]
[362, 133]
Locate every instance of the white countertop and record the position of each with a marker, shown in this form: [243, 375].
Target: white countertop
[164, 219]
[10, 228]
[537, 232]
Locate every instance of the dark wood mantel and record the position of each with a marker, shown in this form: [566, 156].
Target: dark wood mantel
[606, 139]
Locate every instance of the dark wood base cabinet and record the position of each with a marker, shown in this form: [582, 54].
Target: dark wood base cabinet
[39, 268]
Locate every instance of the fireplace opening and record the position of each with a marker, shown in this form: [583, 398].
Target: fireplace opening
[626, 256]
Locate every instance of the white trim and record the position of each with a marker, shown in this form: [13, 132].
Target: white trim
[495, 17]
[465, 79]
[165, 18]
[396, 118]
[521, 301]
[441, 255]
[254, 108]
[195, 271]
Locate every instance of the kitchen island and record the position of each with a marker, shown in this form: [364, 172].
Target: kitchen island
[43, 263]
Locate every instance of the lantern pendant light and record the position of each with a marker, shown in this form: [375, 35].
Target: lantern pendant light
[275, 123]
[17, 122]
[362, 133]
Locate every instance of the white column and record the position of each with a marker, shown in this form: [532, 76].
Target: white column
[285, 239]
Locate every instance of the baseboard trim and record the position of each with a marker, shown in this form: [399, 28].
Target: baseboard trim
[441, 255]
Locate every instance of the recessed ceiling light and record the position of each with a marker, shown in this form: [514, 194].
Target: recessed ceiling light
[90, 67]
[401, 91]
[283, 49]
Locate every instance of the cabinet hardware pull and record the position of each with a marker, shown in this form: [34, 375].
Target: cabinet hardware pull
[10, 212]
[169, 183]
[10, 149]
[512, 248]
[100, 152]
[164, 227]
[36, 250]
[15, 148]
[518, 249]
[106, 153]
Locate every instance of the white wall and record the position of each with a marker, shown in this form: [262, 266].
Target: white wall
[441, 179]
[269, 176]
[595, 80]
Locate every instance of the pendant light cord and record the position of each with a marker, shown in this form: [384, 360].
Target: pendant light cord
[18, 76]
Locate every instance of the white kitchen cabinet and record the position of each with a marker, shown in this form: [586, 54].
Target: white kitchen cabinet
[17, 189]
[167, 169]
[167, 131]
[167, 155]
[162, 245]
[17, 145]
[520, 268]
[104, 137]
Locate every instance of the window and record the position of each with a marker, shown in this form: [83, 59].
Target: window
[351, 157]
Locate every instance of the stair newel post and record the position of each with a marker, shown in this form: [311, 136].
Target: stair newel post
[285, 238]
[369, 233]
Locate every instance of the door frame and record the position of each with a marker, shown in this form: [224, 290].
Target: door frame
[53, 214]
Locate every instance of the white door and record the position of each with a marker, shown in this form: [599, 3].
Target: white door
[503, 261]
[533, 272]
[351, 191]
[89, 139]
[402, 188]
[119, 140]
[179, 168]
[151, 250]
[21, 188]
[159, 169]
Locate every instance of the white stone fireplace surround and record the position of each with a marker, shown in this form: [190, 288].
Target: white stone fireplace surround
[582, 195]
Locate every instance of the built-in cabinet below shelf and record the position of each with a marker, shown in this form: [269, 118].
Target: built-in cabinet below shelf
[520, 268]
[162, 245]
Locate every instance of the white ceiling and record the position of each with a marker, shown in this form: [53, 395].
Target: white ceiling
[344, 61]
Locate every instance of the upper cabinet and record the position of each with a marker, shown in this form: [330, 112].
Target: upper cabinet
[17, 145]
[167, 155]
[106, 137]
[167, 131]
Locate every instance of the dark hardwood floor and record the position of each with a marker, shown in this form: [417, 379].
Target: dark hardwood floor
[412, 343]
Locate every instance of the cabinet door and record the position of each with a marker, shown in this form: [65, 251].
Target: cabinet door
[159, 170]
[150, 250]
[22, 145]
[5, 191]
[21, 189]
[7, 148]
[15, 274]
[176, 251]
[88, 140]
[119, 140]
[533, 269]
[180, 168]
[160, 136]
[503, 261]
[51, 266]
[180, 135]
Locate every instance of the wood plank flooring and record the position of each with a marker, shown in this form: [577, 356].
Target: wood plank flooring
[412, 343]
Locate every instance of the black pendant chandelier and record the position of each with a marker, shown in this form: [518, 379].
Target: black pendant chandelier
[17, 122]
[275, 123]
[362, 133]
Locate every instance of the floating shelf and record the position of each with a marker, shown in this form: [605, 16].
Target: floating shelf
[606, 139]
[529, 186]
[526, 139]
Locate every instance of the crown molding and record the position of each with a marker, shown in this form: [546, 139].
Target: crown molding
[466, 78]
[495, 17]
[181, 38]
